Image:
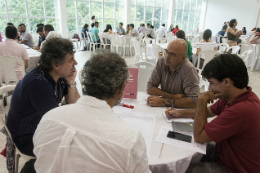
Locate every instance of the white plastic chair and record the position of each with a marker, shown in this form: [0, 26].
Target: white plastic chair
[234, 49]
[222, 47]
[103, 41]
[92, 43]
[113, 46]
[149, 41]
[145, 70]
[209, 55]
[256, 58]
[190, 38]
[245, 56]
[163, 40]
[128, 45]
[197, 39]
[224, 40]
[139, 55]
[70, 35]
[8, 64]
[245, 47]
[156, 50]
[7, 91]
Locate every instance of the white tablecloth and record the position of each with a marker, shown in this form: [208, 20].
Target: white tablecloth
[173, 159]
[34, 57]
[254, 54]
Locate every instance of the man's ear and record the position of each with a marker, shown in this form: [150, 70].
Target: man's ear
[228, 82]
[121, 91]
[55, 66]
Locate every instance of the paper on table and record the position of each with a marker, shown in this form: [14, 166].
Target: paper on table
[141, 121]
[194, 146]
[182, 120]
[121, 108]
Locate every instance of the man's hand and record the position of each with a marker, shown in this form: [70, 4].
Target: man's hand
[71, 78]
[209, 96]
[173, 112]
[155, 101]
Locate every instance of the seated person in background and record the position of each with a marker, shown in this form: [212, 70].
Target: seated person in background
[171, 28]
[84, 30]
[41, 37]
[11, 48]
[232, 33]
[236, 129]
[10, 24]
[133, 31]
[143, 29]
[108, 28]
[92, 26]
[148, 26]
[121, 30]
[93, 20]
[95, 31]
[51, 34]
[26, 37]
[40, 24]
[244, 31]
[47, 28]
[181, 34]
[95, 138]
[175, 29]
[206, 44]
[162, 31]
[127, 32]
[178, 78]
[255, 38]
[151, 33]
[253, 31]
[41, 90]
[222, 32]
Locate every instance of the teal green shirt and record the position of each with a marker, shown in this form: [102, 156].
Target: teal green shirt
[189, 53]
[95, 31]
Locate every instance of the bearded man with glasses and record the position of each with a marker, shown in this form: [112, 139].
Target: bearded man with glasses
[177, 77]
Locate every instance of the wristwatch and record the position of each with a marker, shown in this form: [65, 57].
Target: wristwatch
[73, 85]
[167, 102]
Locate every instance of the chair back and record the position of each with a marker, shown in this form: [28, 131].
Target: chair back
[190, 38]
[198, 39]
[149, 41]
[156, 50]
[218, 37]
[245, 47]
[6, 93]
[144, 73]
[245, 56]
[137, 48]
[224, 40]
[208, 55]
[92, 37]
[8, 64]
[35, 39]
[163, 40]
[222, 47]
[234, 49]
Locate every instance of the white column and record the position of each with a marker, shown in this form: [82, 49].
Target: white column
[127, 17]
[63, 18]
[202, 14]
[171, 13]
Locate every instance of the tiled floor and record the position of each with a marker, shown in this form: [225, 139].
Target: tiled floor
[82, 57]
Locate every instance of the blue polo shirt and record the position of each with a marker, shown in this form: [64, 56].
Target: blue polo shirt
[41, 39]
[95, 31]
[34, 95]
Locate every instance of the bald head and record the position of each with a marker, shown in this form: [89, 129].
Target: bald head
[179, 45]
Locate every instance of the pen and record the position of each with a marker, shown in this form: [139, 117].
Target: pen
[127, 106]
[172, 109]
[161, 150]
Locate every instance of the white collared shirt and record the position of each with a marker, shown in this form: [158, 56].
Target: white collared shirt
[161, 32]
[88, 137]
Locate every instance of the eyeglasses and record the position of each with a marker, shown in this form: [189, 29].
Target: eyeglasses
[171, 54]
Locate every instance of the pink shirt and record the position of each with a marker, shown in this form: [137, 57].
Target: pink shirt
[11, 48]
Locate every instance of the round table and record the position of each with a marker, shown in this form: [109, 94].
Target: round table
[173, 159]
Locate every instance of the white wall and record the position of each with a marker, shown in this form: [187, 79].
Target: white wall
[219, 11]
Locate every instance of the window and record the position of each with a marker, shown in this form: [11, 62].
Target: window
[154, 12]
[29, 12]
[106, 12]
[187, 14]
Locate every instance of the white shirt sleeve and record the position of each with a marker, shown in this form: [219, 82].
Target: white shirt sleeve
[138, 161]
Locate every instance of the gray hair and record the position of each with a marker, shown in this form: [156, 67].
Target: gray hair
[103, 75]
[54, 52]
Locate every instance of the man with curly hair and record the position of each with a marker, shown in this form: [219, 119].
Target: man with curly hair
[88, 136]
[41, 90]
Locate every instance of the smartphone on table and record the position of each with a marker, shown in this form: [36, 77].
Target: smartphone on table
[179, 136]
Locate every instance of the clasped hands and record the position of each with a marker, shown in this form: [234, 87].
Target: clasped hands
[157, 101]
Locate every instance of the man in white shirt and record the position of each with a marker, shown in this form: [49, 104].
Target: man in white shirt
[162, 30]
[26, 37]
[134, 32]
[255, 38]
[88, 136]
[11, 48]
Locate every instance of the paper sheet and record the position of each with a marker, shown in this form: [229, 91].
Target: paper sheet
[182, 120]
[141, 121]
[194, 146]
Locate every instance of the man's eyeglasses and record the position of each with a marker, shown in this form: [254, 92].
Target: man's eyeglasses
[171, 54]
